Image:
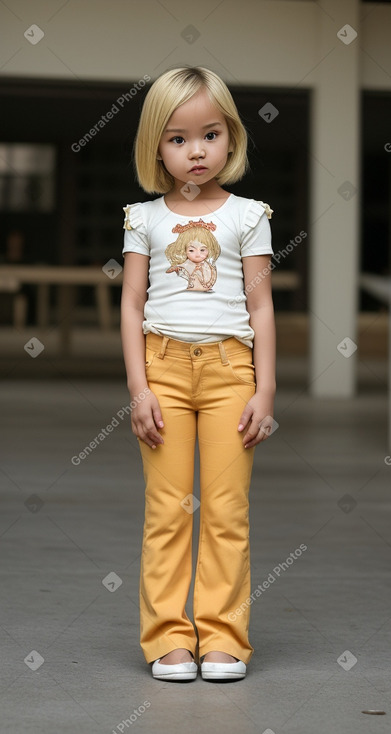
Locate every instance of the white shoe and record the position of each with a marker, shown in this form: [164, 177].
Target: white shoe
[223, 671]
[177, 671]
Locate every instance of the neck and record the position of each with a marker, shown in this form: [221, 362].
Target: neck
[209, 190]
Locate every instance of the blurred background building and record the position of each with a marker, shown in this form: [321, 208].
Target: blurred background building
[71, 99]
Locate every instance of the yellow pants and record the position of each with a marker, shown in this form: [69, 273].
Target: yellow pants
[202, 388]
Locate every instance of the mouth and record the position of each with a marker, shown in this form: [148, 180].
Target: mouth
[198, 168]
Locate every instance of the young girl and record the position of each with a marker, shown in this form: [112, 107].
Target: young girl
[198, 338]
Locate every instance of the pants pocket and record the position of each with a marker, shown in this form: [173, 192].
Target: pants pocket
[242, 367]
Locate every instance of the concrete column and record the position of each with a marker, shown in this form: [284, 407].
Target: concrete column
[334, 206]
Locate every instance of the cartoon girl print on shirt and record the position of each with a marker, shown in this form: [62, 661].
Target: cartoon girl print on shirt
[193, 255]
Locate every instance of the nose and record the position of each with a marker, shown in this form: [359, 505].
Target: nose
[197, 150]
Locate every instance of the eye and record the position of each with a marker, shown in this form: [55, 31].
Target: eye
[179, 137]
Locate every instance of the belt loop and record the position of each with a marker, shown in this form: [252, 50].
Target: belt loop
[163, 347]
[223, 355]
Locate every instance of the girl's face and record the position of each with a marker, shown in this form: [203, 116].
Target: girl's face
[196, 134]
[196, 251]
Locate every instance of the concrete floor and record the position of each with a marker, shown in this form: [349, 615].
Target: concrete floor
[321, 631]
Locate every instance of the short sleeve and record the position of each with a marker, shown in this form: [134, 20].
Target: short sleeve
[256, 233]
[136, 235]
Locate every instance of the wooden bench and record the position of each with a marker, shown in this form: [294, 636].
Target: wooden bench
[67, 278]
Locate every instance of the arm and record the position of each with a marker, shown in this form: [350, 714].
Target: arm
[261, 310]
[146, 416]
[133, 298]
[258, 413]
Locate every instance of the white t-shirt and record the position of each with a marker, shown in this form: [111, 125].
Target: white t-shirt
[196, 284]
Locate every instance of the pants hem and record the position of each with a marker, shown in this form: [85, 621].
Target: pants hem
[153, 652]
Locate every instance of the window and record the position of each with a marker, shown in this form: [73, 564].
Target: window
[27, 177]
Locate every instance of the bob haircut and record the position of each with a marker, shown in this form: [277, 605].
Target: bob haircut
[169, 91]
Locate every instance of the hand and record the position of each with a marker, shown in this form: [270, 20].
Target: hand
[146, 417]
[257, 419]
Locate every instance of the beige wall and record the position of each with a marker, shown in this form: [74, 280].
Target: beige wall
[270, 43]
[276, 43]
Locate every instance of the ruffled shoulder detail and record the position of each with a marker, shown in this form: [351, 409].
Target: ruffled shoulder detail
[254, 212]
[267, 209]
[134, 217]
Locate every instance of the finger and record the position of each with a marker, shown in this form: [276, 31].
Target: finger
[150, 442]
[248, 438]
[252, 440]
[253, 435]
[158, 418]
[249, 442]
[245, 417]
[148, 434]
[252, 430]
[153, 435]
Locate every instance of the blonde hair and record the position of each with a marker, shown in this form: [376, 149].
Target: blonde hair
[171, 89]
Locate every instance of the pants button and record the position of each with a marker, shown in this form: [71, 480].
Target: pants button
[197, 352]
